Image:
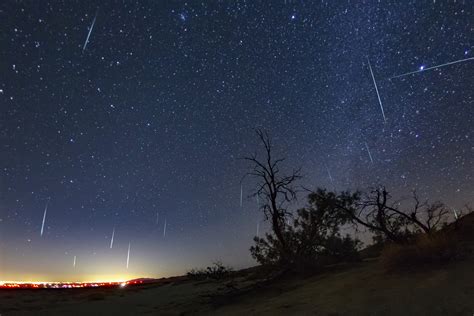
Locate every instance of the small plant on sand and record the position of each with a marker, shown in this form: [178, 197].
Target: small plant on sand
[216, 271]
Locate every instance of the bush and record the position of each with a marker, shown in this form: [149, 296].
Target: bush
[427, 250]
[216, 271]
[343, 248]
[313, 241]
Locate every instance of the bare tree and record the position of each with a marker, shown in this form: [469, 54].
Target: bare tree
[423, 216]
[382, 216]
[274, 188]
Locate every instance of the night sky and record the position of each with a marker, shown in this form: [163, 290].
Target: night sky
[146, 121]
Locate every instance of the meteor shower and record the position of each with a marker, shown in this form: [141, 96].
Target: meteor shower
[230, 157]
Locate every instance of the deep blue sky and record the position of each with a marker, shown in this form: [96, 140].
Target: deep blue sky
[152, 116]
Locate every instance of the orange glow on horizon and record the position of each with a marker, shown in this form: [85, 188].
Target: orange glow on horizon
[66, 285]
[99, 279]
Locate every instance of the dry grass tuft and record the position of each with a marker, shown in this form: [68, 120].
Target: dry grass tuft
[433, 250]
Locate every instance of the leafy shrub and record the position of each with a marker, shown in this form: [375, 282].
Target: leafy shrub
[216, 271]
[343, 248]
[267, 251]
[427, 250]
[314, 240]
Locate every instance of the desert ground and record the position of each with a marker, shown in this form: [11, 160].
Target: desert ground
[358, 289]
[362, 288]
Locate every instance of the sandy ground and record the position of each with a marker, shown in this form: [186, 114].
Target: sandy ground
[367, 290]
[361, 289]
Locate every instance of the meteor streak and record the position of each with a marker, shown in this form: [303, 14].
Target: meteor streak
[89, 34]
[74, 262]
[258, 229]
[329, 174]
[241, 195]
[370, 155]
[112, 239]
[377, 90]
[455, 214]
[44, 218]
[128, 255]
[164, 229]
[434, 67]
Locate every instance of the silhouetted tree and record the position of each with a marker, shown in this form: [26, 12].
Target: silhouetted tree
[384, 217]
[276, 190]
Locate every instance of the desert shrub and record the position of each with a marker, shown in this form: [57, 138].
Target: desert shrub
[216, 271]
[267, 251]
[313, 240]
[427, 250]
[343, 248]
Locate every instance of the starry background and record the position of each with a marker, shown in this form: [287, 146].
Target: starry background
[151, 118]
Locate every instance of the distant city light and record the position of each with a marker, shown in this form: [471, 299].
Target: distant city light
[65, 285]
